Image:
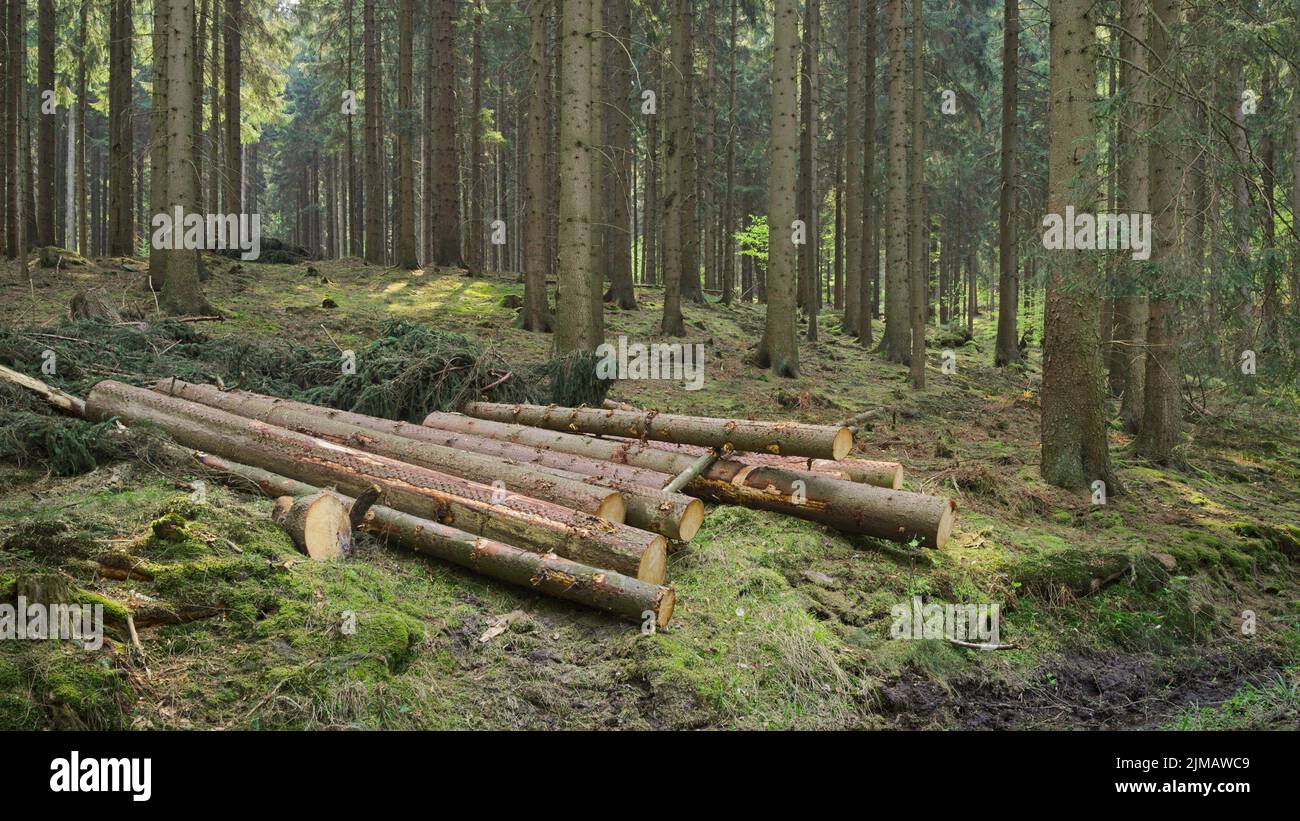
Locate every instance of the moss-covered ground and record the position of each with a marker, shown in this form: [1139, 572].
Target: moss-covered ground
[779, 623]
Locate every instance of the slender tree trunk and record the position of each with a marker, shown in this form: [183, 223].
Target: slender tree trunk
[215, 172]
[1007, 350]
[679, 185]
[853, 200]
[779, 349]
[79, 161]
[445, 208]
[576, 279]
[121, 234]
[45, 147]
[374, 141]
[234, 192]
[404, 222]
[895, 345]
[809, 196]
[618, 235]
[691, 289]
[919, 217]
[1162, 398]
[536, 315]
[867, 261]
[1074, 449]
[729, 204]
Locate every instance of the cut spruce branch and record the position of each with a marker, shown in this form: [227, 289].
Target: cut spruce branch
[849, 506]
[792, 438]
[481, 509]
[568, 491]
[549, 574]
[561, 478]
[53, 396]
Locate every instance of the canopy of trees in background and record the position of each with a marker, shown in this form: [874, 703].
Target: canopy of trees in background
[861, 160]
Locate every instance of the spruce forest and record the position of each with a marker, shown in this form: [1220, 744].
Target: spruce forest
[649, 364]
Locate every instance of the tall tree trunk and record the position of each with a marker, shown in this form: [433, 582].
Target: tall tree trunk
[445, 208]
[7, 115]
[474, 229]
[810, 201]
[853, 201]
[779, 349]
[121, 234]
[536, 315]
[618, 235]
[1007, 350]
[181, 291]
[1127, 371]
[869, 261]
[79, 162]
[158, 183]
[1162, 398]
[45, 147]
[729, 204]
[200, 44]
[215, 172]
[896, 344]
[406, 256]
[374, 141]
[234, 201]
[576, 279]
[691, 289]
[919, 217]
[679, 185]
[1074, 446]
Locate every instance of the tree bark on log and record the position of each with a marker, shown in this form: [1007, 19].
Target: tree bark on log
[792, 438]
[855, 508]
[559, 478]
[547, 573]
[529, 523]
[315, 421]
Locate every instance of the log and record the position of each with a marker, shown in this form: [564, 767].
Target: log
[567, 491]
[546, 573]
[528, 523]
[318, 523]
[674, 515]
[866, 471]
[848, 506]
[53, 396]
[792, 438]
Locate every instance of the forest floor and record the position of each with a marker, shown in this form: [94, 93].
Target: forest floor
[779, 623]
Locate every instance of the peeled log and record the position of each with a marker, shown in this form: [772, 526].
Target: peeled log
[791, 438]
[546, 573]
[317, 523]
[528, 523]
[557, 477]
[848, 506]
[568, 491]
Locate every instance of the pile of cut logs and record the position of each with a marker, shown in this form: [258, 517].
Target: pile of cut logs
[577, 503]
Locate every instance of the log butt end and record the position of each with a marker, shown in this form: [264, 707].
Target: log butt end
[613, 509]
[654, 561]
[692, 518]
[666, 603]
[842, 443]
[946, 522]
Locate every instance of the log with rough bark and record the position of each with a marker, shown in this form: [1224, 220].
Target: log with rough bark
[318, 524]
[471, 506]
[849, 506]
[792, 438]
[336, 426]
[552, 575]
[557, 477]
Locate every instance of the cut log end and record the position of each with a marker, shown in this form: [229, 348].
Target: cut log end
[842, 444]
[691, 520]
[654, 562]
[613, 509]
[318, 524]
[666, 603]
[946, 522]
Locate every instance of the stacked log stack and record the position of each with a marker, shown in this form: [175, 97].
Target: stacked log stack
[576, 503]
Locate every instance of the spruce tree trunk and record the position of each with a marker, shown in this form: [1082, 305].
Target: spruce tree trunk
[679, 193]
[45, 148]
[729, 204]
[896, 345]
[215, 173]
[79, 162]
[1007, 351]
[121, 151]
[1162, 397]
[476, 183]
[405, 256]
[778, 348]
[619, 234]
[853, 175]
[158, 184]
[688, 191]
[579, 330]
[374, 142]
[809, 196]
[918, 304]
[234, 192]
[6, 134]
[1074, 446]
[536, 314]
[1127, 363]
[445, 208]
